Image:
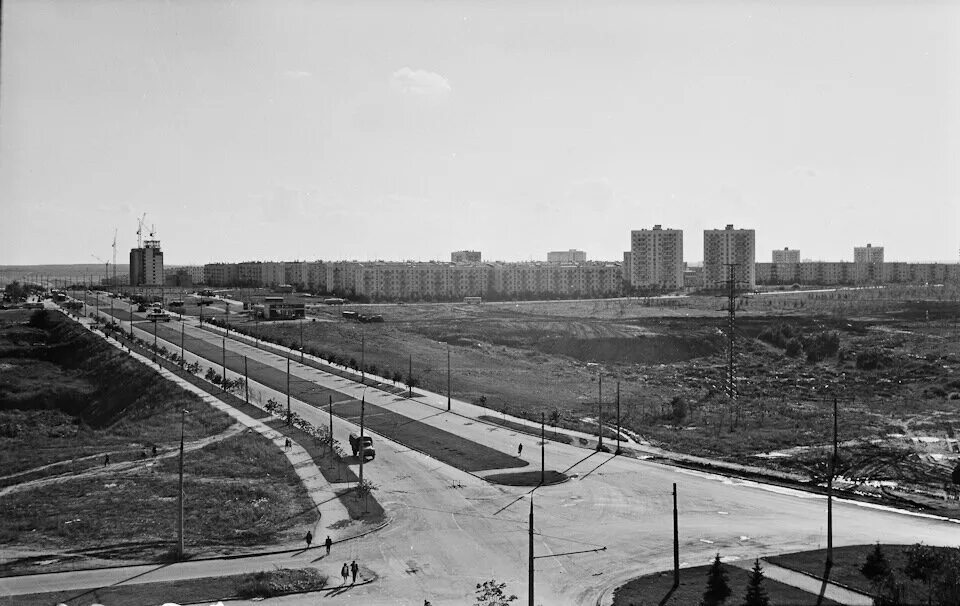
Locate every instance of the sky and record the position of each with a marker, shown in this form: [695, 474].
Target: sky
[301, 130]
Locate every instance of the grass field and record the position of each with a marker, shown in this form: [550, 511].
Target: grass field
[657, 589]
[64, 508]
[848, 560]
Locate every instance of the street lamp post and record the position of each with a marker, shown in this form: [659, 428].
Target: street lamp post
[448, 377]
[183, 414]
[530, 558]
[600, 411]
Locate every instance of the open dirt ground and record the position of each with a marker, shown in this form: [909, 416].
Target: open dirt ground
[891, 357]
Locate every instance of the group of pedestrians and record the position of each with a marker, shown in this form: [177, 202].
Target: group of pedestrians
[309, 540]
[348, 569]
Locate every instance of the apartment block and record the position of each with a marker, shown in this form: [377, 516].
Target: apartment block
[725, 248]
[786, 255]
[567, 256]
[868, 263]
[465, 256]
[221, 274]
[146, 264]
[656, 258]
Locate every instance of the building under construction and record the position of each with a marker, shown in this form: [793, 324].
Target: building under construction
[146, 264]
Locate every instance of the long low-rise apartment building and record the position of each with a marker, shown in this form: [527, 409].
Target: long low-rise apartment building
[829, 273]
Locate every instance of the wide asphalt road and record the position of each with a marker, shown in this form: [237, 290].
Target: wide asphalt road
[451, 530]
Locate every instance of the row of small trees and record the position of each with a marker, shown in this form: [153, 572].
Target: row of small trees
[330, 357]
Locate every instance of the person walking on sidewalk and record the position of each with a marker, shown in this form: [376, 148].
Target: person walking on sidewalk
[308, 539]
[344, 572]
[328, 543]
[354, 569]
[519, 450]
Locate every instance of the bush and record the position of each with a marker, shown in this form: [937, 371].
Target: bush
[794, 348]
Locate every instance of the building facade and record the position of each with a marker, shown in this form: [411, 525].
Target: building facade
[146, 264]
[465, 256]
[868, 264]
[726, 248]
[786, 255]
[656, 258]
[567, 256]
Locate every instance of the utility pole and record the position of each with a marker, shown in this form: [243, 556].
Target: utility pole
[288, 391]
[530, 558]
[448, 377]
[182, 361]
[828, 565]
[676, 541]
[410, 377]
[543, 446]
[363, 402]
[183, 414]
[155, 342]
[600, 411]
[731, 328]
[246, 382]
[363, 379]
[618, 451]
[301, 340]
[330, 410]
[224, 361]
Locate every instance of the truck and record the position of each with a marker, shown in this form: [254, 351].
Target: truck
[368, 451]
[158, 315]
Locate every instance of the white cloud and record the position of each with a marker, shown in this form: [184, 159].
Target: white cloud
[421, 84]
[295, 74]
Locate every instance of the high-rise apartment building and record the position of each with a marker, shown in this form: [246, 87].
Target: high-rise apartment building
[786, 256]
[726, 248]
[465, 256]
[868, 263]
[567, 256]
[146, 264]
[656, 258]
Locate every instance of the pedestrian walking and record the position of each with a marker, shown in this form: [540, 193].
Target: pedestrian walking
[308, 538]
[354, 569]
[328, 543]
[344, 572]
[287, 444]
[519, 450]
[106, 460]
[154, 450]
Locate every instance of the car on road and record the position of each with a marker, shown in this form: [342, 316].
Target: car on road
[368, 451]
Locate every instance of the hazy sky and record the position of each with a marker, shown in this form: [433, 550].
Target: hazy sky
[281, 130]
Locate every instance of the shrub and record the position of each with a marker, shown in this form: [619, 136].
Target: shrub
[794, 348]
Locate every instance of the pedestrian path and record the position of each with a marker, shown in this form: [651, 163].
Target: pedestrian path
[808, 583]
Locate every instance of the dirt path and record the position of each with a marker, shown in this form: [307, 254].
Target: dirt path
[114, 468]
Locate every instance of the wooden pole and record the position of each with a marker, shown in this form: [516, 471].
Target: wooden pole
[676, 541]
[530, 559]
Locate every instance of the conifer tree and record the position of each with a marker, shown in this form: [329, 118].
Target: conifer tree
[756, 592]
[718, 590]
[875, 567]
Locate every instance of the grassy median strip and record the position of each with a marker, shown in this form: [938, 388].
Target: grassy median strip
[442, 445]
[527, 429]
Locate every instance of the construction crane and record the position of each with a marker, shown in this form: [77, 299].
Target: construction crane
[140, 230]
[106, 265]
[114, 256]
